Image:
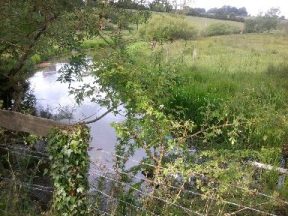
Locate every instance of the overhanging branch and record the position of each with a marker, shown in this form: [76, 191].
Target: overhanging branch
[99, 117]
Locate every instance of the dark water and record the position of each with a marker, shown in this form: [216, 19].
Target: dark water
[55, 95]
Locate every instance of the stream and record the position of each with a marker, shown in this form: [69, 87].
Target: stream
[53, 96]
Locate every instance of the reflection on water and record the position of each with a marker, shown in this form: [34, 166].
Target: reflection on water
[53, 94]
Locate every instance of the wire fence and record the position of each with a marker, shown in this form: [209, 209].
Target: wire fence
[252, 191]
[240, 206]
[189, 191]
[110, 175]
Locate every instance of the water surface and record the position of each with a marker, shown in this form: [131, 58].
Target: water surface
[54, 95]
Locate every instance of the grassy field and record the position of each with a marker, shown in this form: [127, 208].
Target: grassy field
[250, 53]
[201, 22]
[246, 73]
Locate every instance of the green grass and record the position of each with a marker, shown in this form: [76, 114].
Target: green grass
[249, 53]
[227, 77]
[240, 75]
[202, 23]
[94, 43]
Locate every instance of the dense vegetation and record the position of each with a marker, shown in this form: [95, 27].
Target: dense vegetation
[165, 28]
[203, 102]
[230, 95]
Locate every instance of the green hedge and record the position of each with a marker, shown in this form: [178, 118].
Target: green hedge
[167, 27]
[221, 29]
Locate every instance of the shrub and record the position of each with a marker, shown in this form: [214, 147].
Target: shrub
[221, 29]
[93, 44]
[36, 59]
[165, 27]
[283, 26]
[260, 24]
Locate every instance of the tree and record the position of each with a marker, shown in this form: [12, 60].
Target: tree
[243, 12]
[34, 30]
[160, 6]
[24, 27]
[265, 23]
[228, 12]
[196, 11]
[273, 13]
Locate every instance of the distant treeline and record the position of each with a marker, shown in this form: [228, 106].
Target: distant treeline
[261, 23]
[225, 13]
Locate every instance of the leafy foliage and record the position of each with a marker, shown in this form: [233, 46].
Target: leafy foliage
[199, 124]
[69, 168]
[160, 6]
[221, 29]
[261, 24]
[197, 116]
[166, 27]
[24, 30]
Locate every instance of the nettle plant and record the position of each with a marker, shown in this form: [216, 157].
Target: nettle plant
[69, 168]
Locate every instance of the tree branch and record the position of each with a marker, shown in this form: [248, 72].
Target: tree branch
[106, 41]
[206, 129]
[99, 117]
[29, 49]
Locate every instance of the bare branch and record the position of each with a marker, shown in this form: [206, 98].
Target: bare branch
[99, 117]
[106, 41]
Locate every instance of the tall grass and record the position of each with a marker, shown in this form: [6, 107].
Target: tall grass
[241, 76]
[201, 22]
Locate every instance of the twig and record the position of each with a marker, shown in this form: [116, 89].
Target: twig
[206, 129]
[33, 186]
[103, 212]
[243, 209]
[202, 195]
[101, 36]
[268, 167]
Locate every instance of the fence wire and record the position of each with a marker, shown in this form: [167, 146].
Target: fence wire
[252, 191]
[242, 207]
[43, 156]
